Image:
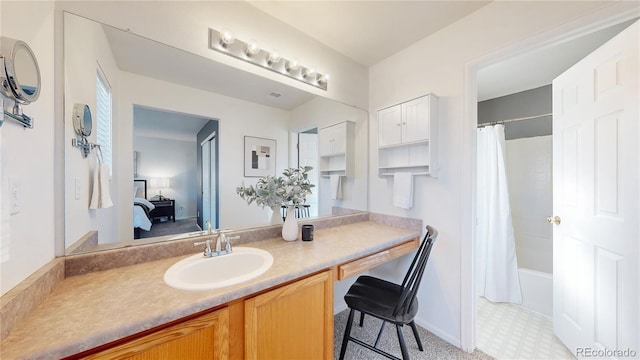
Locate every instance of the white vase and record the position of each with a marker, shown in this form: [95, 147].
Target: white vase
[290, 226]
[276, 216]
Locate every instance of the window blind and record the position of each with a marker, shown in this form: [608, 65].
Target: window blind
[103, 117]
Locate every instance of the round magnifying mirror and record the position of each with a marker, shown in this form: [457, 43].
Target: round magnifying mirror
[82, 122]
[22, 71]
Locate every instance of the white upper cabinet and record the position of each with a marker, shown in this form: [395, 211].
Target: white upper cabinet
[405, 123]
[333, 139]
[407, 137]
[336, 146]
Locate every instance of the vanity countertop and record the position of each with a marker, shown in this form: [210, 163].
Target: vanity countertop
[89, 310]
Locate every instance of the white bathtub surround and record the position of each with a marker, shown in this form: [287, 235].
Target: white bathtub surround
[530, 193]
[537, 291]
[497, 266]
[507, 331]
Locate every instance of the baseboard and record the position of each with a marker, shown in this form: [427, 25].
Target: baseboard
[340, 308]
[439, 332]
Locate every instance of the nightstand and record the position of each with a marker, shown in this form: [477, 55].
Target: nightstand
[166, 207]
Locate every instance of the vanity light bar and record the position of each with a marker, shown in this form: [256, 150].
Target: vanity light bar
[250, 52]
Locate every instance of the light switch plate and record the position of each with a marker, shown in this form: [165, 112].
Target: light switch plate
[77, 188]
[14, 196]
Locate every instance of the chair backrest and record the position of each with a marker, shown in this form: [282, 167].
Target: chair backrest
[412, 279]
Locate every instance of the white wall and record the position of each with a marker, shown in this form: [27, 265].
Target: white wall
[320, 113]
[86, 49]
[175, 160]
[437, 64]
[27, 154]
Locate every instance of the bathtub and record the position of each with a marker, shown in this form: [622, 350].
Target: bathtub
[537, 291]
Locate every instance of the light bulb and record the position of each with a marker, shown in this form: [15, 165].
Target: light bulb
[226, 38]
[309, 73]
[292, 65]
[323, 79]
[251, 49]
[273, 58]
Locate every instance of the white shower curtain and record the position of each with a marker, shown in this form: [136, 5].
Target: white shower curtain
[496, 263]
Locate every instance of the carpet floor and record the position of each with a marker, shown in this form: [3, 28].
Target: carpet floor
[170, 228]
[434, 347]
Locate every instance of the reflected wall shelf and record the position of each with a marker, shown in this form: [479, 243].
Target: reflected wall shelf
[407, 137]
[336, 148]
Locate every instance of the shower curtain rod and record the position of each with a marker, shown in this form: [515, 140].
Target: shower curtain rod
[513, 120]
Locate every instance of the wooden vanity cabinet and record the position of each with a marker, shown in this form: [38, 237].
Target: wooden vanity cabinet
[203, 337]
[291, 321]
[294, 321]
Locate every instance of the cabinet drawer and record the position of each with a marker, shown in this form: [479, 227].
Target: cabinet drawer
[373, 260]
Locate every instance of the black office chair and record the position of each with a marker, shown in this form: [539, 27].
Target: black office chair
[389, 302]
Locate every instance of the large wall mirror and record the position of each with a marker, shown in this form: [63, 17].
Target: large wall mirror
[176, 122]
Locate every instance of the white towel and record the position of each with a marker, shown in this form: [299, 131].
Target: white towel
[403, 190]
[336, 187]
[100, 194]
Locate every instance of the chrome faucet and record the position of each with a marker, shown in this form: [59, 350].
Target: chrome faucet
[223, 238]
[220, 238]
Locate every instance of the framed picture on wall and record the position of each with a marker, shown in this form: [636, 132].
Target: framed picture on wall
[259, 157]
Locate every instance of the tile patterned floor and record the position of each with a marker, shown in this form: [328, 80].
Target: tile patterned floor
[507, 331]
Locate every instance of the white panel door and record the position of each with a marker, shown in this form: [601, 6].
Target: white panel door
[308, 156]
[596, 195]
[206, 183]
[209, 186]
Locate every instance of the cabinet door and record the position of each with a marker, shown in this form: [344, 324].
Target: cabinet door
[389, 126]
[339, 138]
[325, 141]
[205, 337]
[415, 120]
[294, 321]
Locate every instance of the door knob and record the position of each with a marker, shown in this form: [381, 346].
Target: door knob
[554, 219]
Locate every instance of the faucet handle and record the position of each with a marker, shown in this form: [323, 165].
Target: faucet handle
[228, 242]
[207, 249]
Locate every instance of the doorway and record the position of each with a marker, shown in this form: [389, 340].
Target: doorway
[308, 156]
[208, 159]
[477, 313]
[168, 154]
[522, 328]
[209, 184]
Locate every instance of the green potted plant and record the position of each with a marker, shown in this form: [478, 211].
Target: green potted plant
[290, 190]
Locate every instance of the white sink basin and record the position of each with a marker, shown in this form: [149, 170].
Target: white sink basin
[201, 273]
